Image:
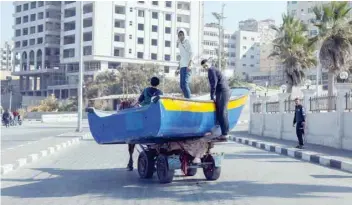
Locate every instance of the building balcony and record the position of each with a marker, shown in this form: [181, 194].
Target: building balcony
[37, 71]
[120, 16]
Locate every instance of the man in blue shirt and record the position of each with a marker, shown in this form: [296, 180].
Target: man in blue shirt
[300, 120]
[220, 93]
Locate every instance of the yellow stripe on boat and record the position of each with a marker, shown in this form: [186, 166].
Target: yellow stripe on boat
[191, 106]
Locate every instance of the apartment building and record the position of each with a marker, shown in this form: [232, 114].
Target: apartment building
[6, 56]
[211, 46]
[115, 34]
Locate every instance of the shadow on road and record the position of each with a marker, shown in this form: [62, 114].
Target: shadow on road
[123, 185]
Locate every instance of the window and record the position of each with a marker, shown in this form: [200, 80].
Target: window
[167, 43]
[167, 30]
[244, 65]
[131, 9]
[87, 36]
[87, 8]
[130, 23]
[70, 12]
[141, 27]
[154, 28]
[252, 39]
[155, 3]
[167, 57]
[119, 24]
[130, 36]
[129, 51]
[293, 12]
[244, 56]
[69, 53]
[168, 17]
[244, 38]
[32, 30]
[25, 7]
[166, 69]
[18, 20]
[40, 15]
[18, 32]
[140, 54]
[118, 38]
[18, 44]
[69, 2]
[252, 65]
[18, 8]
[87, 23]
[24, 43]
[252, 48]
[154, 42]
[140, 41]
[87, 50]
[40, 3]
[40, 28]
[39, 40]
[233, 46]
[31, 42]
[155, 15]
[33, 5]
[69, 26]
[117, 52]
[168, 4]
[154, 56]
[140, 13]
[69, 39]
[25, 31]
[252, 56]
[233, 54]
[141, 2]
[120, 10]
[32, 17]
[244, 47]
[25, 19]
[233, 37]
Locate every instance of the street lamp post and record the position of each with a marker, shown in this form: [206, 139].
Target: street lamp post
[220, 18]
[9, 80]
[81, 71]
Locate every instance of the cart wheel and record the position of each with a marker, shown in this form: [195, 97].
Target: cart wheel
[165, 174]
[211, 172]
[146, 164]
[191, 171]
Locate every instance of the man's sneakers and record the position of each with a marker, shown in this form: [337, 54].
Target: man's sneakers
[130, 166]
[299, 146]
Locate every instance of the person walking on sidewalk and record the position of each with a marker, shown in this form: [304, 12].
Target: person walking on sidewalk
[220, 93]
[186, 55]
[299, 119]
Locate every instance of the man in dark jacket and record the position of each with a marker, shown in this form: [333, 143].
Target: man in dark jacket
[220, 93]
[299, 119]
[146, 97]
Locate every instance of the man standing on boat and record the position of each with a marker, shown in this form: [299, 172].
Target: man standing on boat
[220, 93]
[186, 55]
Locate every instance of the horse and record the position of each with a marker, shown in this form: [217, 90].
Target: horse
[126, 104]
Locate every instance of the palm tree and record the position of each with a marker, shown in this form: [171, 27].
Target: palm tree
[293, 49]
[335, 38]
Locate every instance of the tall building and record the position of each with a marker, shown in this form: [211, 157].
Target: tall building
[6, 56]
[211, 46]
[115, 33]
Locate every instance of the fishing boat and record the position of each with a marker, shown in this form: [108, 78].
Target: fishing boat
[165, 119]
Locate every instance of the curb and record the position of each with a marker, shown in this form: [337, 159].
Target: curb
[309, 156]
[36, 156]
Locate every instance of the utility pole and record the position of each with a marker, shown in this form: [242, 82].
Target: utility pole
[81, 72]
[7, 55]
[9, 87]
[220, 17]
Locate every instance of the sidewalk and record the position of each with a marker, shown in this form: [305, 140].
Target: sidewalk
[14, 158]
[327, 156]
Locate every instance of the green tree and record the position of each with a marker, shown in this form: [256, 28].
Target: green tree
[293, 49]
[334, 39]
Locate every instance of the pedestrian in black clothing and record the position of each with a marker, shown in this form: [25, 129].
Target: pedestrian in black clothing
[220, 93]
[300, 120]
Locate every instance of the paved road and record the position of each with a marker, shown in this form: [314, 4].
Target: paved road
[94, 174]
[12, 137]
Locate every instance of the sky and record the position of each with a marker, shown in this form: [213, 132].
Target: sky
[235, 11]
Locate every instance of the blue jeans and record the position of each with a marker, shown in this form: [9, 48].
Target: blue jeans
[184, 82]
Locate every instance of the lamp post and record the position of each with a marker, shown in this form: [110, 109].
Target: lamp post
[9, 80]
[343, 76]
[81, 71]
[220, 17]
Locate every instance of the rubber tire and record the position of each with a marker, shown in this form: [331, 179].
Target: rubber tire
[149, 164]
[191, 172]
[213, 173]
[165, 175]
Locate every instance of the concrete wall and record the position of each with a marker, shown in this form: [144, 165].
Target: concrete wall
[347, 139]
[38, 115]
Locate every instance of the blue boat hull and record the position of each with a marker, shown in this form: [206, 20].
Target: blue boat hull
[166, 120]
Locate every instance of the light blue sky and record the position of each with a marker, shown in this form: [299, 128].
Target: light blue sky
[235, 11]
